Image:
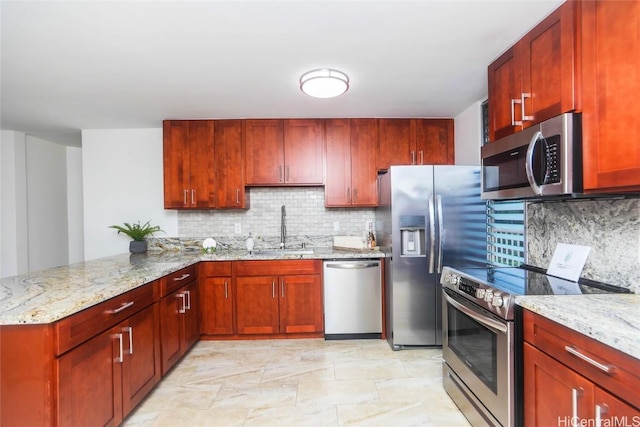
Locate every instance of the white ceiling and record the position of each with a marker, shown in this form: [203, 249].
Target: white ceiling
[72, 65]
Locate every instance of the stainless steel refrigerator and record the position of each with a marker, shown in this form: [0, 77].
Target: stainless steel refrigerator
[428, 217]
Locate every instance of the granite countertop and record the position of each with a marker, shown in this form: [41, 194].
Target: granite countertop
[612, 319]
[50, 295]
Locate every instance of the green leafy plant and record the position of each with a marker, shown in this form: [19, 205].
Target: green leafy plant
[136, 231]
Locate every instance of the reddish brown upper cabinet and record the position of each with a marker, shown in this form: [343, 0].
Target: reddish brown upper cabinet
[568, 375]
[284, 152]
[189, 173]
[611, 64]
[539, 77]
[415, 142]
[351, 147]
[229, 165]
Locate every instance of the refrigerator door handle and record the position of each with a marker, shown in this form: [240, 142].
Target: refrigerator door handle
[432, 235]
[440, 232]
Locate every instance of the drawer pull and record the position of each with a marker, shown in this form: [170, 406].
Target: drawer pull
[575, 393]
[129, 330]
[123, 307]
[183, 305]
[607, 369]
[181, 278]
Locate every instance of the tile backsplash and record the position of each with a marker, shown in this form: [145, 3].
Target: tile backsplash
[610, 227]
[306, 218]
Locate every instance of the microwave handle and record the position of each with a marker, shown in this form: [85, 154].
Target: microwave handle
[529, 163]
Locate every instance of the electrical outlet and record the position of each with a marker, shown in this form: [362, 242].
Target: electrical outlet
[369, 226]
[336, 226]
[238, 228]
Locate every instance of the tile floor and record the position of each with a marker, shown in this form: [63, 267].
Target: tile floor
[309, 382]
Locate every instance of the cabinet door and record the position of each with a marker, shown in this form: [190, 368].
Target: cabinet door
[191, 316]
[337, 189]
[257, 305]
[176, 163]
[90, 383]
[217, 306]
[264, 156]
[141, 366]
[434, 143]
[364, 161]
[304, 152]
[611, 129]
[549, 66]
[609, 410]
[170, 329]
[201, 164]
[300, 304]
[397, 143]
[505, 81]
[229, 165]
[553, 392]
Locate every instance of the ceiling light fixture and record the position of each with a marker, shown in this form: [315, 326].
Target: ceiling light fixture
[324, 83]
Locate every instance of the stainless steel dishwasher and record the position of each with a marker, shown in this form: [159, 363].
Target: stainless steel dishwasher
[352, 299]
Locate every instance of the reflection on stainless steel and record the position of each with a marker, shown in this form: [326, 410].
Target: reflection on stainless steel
[428, 216]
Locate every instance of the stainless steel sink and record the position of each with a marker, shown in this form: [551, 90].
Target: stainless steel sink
[282, 252]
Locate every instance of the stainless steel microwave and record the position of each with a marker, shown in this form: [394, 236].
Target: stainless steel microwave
[539, 161]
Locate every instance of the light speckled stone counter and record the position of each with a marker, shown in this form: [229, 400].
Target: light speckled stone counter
[50, 295]
[613, 320]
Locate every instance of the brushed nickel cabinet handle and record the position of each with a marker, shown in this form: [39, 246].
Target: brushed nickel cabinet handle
[607, 369]
[129, 331]
[123, 307]
[226, 293]
[183, 308]
[413, 157]
[422, 157]
[524, 116]
[280, 173]
[287, 177]
[513, 112]
[188, 294]
[575, 393]
[185, 195]
[273, 289]
[348, 194]
[237, 196]
[282, 289]
[181, 278]
[120, 358]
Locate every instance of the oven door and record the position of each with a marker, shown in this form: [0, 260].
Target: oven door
[478, 348]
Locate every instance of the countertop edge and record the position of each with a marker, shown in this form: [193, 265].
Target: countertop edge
[595, 316]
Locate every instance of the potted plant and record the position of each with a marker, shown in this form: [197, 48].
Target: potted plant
[138, 233]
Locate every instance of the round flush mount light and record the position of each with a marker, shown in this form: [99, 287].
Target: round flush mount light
[324, 83]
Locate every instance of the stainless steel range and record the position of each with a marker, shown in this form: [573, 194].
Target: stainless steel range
[479, 336]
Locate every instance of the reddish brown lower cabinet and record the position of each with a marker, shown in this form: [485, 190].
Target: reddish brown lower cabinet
[179, 325]
[287, 301]
[91, 368]
[570, 379]
[217, 296]
[102, 380]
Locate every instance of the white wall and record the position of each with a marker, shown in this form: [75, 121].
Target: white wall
[468, 135]
[46, 204]
[75, 218]
[13, 204]
[123, 182]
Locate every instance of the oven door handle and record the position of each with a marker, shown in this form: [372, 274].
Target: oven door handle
[489, 323]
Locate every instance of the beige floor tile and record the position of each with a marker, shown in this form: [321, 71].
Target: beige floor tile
[337, 392]
[306, 383]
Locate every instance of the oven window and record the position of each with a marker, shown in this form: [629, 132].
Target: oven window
[475, 345]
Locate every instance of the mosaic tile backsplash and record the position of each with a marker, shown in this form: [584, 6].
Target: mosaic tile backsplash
[610, 227]
[307, 220]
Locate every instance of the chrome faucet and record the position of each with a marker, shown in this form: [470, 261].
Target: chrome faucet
[283, 227]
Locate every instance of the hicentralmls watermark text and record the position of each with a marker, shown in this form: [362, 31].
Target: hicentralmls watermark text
[615, 421]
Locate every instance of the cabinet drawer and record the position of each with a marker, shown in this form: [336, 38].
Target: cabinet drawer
[217, 268]
[562, 343]
[277, 268]
[88, 323]
[180, 278]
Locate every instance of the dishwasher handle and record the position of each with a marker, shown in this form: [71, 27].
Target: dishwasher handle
[353, 266]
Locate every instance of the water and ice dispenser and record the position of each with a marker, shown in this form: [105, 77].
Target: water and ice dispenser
[412, 235]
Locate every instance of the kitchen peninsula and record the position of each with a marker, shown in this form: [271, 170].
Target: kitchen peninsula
[59, 326]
